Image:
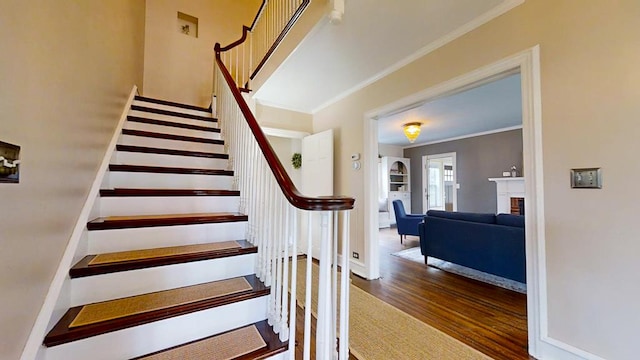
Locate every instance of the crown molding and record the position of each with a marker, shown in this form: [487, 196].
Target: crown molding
[478, 21]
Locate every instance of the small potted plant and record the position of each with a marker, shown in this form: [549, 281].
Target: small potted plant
[296, 160]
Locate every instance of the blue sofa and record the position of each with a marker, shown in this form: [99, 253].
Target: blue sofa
[490, 243]
[407, 223]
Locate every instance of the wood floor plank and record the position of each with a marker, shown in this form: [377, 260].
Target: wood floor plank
[488, 318]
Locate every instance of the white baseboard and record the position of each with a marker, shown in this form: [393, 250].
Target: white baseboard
[358, 268]
[550, 348]
[34, 342]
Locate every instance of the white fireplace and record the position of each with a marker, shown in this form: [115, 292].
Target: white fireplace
[508, 188]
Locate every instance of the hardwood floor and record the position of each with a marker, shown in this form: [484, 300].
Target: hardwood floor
[488, 318]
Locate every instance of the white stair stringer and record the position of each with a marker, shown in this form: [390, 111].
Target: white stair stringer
[141, 180]
[158, 335]
[95, 288]
[146, 159]
[104, 241]
[182, 110]
[170, 144]
[135, 125]
[121, 206]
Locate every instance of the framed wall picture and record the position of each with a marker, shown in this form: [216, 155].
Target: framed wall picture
[9, 163]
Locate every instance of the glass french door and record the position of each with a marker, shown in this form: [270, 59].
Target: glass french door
[439, 182]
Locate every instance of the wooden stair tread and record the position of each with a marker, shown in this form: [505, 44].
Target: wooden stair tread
[121, 222]
[169, 170]
[83, 268]
[172, 113]
[63, 333]
[145, 120]
[157, 135]
[274, 345]
[152, 150]
[122, 192]
[171, 103]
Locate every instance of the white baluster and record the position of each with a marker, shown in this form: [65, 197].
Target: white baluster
[307, 299]
[334, 286]
[280, 259]
[284, 329]
[323, 328]
[293, 240]
[344, 289]
[273, 252]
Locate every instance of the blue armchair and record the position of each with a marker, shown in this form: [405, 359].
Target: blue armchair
[407, 223]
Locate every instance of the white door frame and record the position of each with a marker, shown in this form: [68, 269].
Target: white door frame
[528, 64]
[425, 180]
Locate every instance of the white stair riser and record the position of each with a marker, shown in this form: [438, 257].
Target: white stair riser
[171, 108]
[135, 158]
[134, 125]
[170, 144]
[104, 241]
[179, 119]
[90, 289]
[159, 335]
[124, 179]
[118, 206]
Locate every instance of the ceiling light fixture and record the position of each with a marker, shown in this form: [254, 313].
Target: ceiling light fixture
[412, 131]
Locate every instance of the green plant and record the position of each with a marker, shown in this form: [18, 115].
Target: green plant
[296, 160]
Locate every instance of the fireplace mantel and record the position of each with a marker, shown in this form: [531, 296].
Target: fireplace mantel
[507, 188]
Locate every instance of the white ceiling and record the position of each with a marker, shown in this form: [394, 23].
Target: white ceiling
[488, 107]
[375, 37]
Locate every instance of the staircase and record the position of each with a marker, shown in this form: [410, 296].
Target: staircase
[170, 274]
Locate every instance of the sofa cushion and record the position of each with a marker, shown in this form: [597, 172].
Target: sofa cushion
[464, 216]
[510, 220]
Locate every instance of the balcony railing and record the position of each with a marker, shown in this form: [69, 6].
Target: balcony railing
[245, 57]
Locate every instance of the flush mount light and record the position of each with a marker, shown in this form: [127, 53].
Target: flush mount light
[412, 131]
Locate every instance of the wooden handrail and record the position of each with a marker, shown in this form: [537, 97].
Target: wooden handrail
[255, 19]
[278, 40]
[245, 29]
[282, 178]
[242, 39]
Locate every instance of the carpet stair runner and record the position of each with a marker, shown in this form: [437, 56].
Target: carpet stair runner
[166, 273]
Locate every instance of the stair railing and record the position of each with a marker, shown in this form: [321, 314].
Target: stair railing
[272, 203]
[245, 57]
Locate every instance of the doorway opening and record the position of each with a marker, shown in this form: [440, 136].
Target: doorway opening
[526, 64]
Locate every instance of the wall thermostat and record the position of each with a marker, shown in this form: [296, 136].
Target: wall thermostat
[355, 157]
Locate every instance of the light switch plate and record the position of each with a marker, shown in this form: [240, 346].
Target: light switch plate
[587, 178]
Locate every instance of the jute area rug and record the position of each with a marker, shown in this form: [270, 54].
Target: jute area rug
[124, 256]
[119, 308]
[381, 331]
[414, 254]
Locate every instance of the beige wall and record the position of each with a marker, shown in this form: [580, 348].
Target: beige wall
[285, 148]
[179, 67]
[67, 69]
[590, 51]
[283, 119]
